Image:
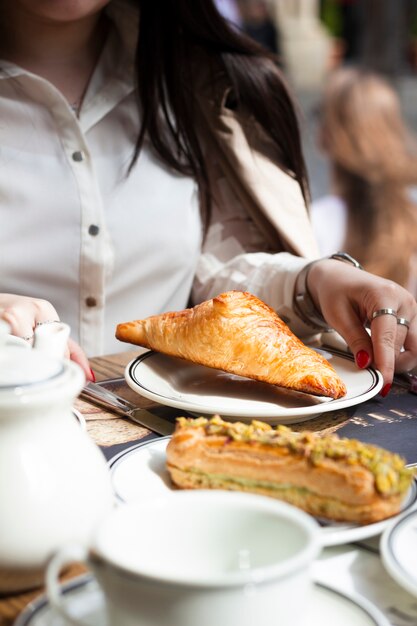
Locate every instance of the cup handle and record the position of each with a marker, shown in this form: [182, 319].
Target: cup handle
[63, 557]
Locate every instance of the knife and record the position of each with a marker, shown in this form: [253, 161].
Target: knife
[98, 395]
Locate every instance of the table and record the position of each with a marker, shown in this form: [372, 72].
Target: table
[353, 567]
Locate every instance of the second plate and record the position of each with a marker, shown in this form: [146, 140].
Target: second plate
[140, 472]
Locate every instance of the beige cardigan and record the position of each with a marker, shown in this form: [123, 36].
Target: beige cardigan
[249, 161]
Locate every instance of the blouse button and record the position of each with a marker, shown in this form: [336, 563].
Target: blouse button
[78, 156]
[93, 230]
[90, 301]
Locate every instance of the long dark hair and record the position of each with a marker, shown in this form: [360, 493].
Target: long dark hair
[171, 32]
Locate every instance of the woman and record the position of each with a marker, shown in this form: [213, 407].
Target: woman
[373, 162]
[135, 173]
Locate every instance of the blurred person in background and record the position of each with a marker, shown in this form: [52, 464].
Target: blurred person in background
[373, 161]
[253, 18]
[351, 28]
[257, 22]
[385, 35]
[375, 34]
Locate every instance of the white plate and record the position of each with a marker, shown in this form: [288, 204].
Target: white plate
[85, 601]
[140, 472]
[399, 551]
[205, 390]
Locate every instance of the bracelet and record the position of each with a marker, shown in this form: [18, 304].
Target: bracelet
[344, 256]
[303, 302]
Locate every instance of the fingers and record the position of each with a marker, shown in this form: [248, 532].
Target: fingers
[386, 347]
[20, 321]
[23, 314]
[407, 358]
[77, 355]
[394, 333]
[350, 299]
[352, 329]
[401, 337]
[378, 348]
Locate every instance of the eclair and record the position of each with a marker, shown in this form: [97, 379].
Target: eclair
[326, 476]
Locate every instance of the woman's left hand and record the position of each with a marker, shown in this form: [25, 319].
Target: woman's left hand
[350, 298]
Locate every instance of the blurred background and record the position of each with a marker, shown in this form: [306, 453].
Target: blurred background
[314, 37]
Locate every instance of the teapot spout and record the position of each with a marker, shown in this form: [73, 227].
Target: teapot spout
[51, 338]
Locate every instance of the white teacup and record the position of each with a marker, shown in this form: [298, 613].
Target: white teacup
[200, 558]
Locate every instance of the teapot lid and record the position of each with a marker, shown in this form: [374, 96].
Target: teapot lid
[20, 367]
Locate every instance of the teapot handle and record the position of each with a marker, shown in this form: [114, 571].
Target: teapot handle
[62, 558]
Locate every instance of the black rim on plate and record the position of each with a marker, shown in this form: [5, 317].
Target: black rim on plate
[334, 403]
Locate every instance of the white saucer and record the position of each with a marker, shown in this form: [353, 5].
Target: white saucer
[85, 601]
[399, 551]
[140, 472]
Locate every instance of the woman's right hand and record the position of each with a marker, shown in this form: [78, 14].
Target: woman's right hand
[23, 314]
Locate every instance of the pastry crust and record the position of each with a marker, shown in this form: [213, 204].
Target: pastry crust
[237, 333]
[338, 479]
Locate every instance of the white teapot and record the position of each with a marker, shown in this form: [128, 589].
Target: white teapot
[54, 482]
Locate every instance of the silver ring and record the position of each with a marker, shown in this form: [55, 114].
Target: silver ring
[380, 312]
[27, 338]
[47, 322]
[403, 322]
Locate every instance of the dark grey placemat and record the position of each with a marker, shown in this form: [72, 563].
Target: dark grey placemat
[389, 422]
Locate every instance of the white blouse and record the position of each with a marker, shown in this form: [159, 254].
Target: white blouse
[101, 245]
[329, 219]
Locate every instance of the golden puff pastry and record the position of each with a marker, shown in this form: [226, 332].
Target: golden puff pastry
[329, 477]
[237, 333]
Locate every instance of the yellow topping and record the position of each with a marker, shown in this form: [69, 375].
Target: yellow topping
[390, 474]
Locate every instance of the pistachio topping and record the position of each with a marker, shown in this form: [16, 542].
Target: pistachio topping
[389, 471]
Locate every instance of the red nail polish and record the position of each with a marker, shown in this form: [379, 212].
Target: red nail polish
[385, 390]
[362, 359]
[93, 377]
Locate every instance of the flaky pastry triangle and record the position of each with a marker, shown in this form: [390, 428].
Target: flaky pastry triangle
[237, 333]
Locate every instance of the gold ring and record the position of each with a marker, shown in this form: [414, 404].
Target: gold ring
[403, 322]
[380, 312]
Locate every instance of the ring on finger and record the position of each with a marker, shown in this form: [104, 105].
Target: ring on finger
[402, 321]
[47, 322]
[27, 337]
[386, 311]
